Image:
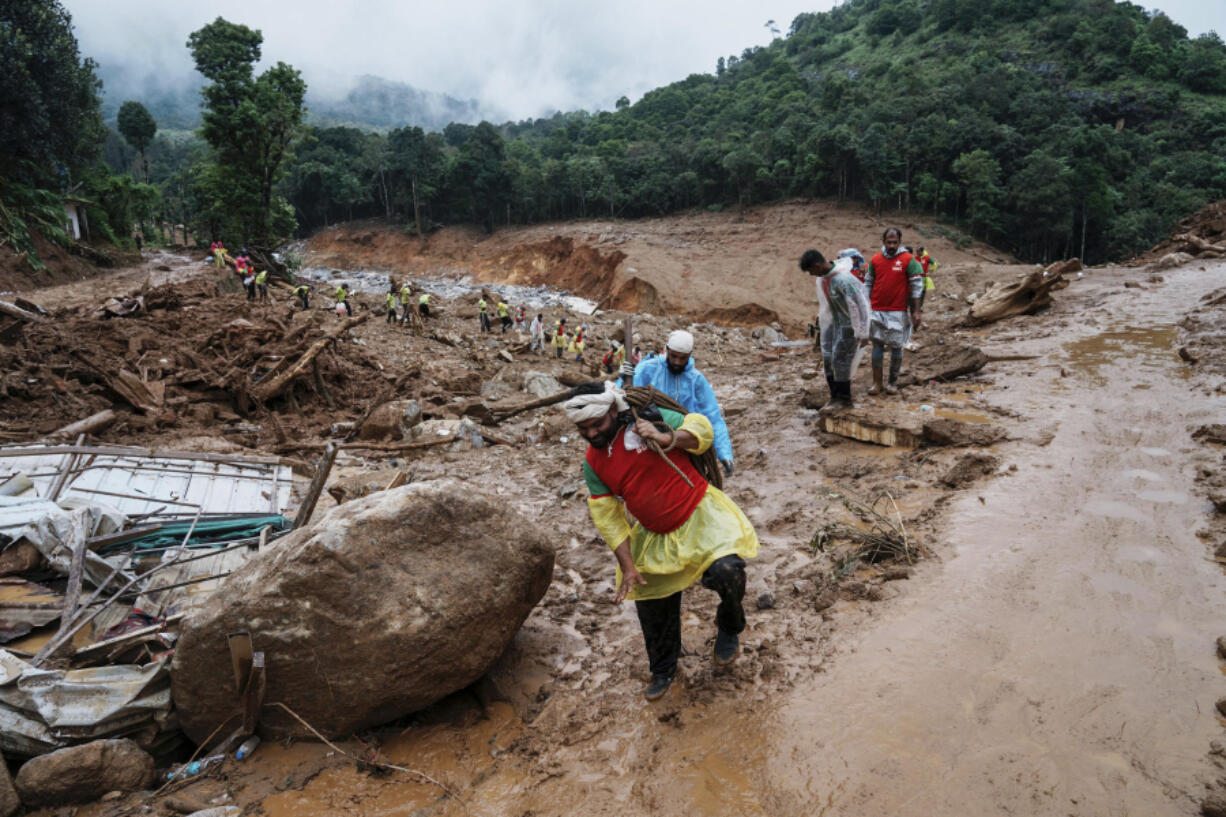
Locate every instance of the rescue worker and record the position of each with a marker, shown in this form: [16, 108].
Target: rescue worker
[843, 317]
[342, 297]
[243, 267]
[261, 282]
[406, 291]
[614, 358]
[484, 314]
[682, 533]
[930, 266]
[423, 304]
[537, 334]
[559, 337]
[577, 344]
[674, 374]
[519, 319]
[219, 255]
[392, 304]
[858, 265]
[302, 292]
[895, 281]
[504, 315]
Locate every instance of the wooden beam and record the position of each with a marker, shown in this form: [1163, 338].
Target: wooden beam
[317, 486]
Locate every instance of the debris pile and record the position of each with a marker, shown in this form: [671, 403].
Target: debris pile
[1200, 236]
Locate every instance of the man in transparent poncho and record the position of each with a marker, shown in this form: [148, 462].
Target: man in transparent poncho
[843, 320]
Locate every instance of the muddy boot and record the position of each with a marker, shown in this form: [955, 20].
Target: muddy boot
[727, 577]
[659, 686]
[661, 623]
[846, 386]
[876, 388]
[895, 367]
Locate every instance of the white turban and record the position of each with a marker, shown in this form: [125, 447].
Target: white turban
[681, 341]
[590, 406]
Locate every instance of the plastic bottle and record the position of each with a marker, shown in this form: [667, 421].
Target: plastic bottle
[195, 767]
[247, 747]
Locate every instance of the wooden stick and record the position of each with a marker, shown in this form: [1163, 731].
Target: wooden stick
[92, 423]
[266, 389]
[317, 486]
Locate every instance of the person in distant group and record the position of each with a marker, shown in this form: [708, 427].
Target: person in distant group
[243, 267]
[537, 333]
[423, 304]
[559, 337]
[342, 298]
[219, 255]
[674, 374]
[303, 292]
[842, 323]
[858, 265]
[261, 283]
[929, 266]
[577, 343]
[483, 313]
[392, 304]
[614, 358]
[519, 319]
[504, 315]
[406, 291]
[895, 281]
[140, 241]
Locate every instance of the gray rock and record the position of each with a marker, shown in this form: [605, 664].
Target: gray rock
[766, 600]
[387, 604]
[9, 801]
[82, 774]
[393, 420]
[539, 384]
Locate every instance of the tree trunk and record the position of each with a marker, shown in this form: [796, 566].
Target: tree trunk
[1027, 295]
[416, 208]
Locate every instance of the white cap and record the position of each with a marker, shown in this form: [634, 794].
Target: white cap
[681, 341]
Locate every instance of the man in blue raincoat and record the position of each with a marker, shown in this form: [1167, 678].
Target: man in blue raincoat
[673, 373]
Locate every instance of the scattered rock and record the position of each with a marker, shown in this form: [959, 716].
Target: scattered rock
[1157, 279]
[1221, 705]
[447, 588]
[540, 384]
[1212, 433]
[969, 468]
[569, 489]
[81, 774]
[1214, 805]
[896, 572]
[825, 599]
[346, 489]
[505, 355]
[393, 420]
[1186, 355]
[1172, 260]
[766, 600]
[1132, 285]
[1221, 647]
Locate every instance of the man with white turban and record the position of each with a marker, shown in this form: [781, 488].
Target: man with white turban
[674, 374]
[685, 530]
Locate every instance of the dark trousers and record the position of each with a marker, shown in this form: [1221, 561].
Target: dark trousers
[661, 618]
[348, 309]
[485, 322]
[303, 298]
[424, 309]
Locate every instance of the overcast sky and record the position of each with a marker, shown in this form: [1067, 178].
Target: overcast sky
[521, 57]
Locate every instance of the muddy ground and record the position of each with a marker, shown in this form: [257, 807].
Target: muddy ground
[1050, 652]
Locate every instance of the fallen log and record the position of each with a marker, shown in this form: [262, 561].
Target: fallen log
[14, 311]
[271, 387]
[92, 423]
[370, 446]
[1025, 296]
[1200, 244]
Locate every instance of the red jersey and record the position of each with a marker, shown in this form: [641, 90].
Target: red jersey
[890, 287]
[657, 497]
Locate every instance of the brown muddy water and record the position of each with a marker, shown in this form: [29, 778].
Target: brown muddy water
[1056, 659]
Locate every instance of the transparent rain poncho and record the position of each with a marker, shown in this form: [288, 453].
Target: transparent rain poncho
[842, 305]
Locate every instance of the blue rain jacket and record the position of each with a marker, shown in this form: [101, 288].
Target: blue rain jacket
[691, 390]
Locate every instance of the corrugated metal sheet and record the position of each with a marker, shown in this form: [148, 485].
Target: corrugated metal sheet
[139, 485]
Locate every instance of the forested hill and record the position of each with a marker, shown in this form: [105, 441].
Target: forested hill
[1049, 127]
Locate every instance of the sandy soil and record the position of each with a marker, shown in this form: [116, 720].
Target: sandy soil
[1053, 654]
[733, 268]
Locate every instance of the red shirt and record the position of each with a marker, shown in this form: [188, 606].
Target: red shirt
[890, 288]
[657, 497]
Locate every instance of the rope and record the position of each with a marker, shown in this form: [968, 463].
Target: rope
[640, 397]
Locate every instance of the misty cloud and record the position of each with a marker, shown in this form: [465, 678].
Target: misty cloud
[516, 60]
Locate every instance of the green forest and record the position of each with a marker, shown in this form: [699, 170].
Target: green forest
[1050, 128]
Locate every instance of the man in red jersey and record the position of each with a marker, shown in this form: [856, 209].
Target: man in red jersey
[895, 282]
[686, 529]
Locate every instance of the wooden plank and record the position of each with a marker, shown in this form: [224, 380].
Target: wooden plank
[317, 486]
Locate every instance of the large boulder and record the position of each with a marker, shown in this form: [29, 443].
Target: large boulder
[82, 774]
[10, 803]
[540, 384]
[387, 604]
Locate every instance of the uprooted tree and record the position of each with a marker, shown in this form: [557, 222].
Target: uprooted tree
[1025, 296]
